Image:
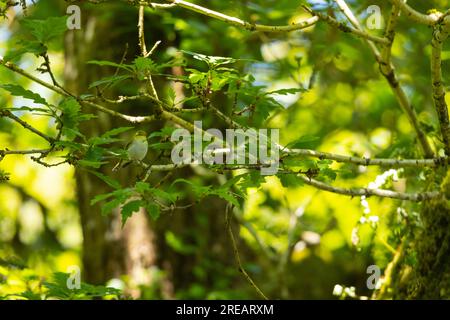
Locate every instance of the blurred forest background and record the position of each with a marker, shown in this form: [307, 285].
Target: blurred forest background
[295, 242]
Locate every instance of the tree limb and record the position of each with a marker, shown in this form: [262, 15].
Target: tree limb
[132, 119]
[392, 163]
[428, 20]
[388, 71]
[440, 34]
[6, 152]
[241, 23]
[347, 29]
[8, 114]
[417, 197]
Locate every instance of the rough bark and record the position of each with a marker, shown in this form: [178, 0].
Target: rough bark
[421, 267]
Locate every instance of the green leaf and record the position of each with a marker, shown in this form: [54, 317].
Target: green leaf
[286, 91]
[197, 189]
[70, 133]
[86, 96]
[144, 66]
[196, 77]
[70, 117]
[91, 164]
[212, 61]
[129, 208]
[161, 146]
[153, 210]
[94, 154]
[107, 137]
[142, 187]
[96, 141]
[264, 106]
[290, 180]
[30, 295]
[57, 288]
[111, 205]
[171, 96]
[68, 144]
[101, 197]
[108, 180]
[34, 47]
[19, 91]
[164, 195]
[109, 80]
[119, 196]
[328, 173]
[300, 163]
[324, 164]
[219, 80]
[251, 180]
[116, 131]
[46, 30]
[164, 132]
[303, 142]
[226, 196]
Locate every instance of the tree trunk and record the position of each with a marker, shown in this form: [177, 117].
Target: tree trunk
[108, 250]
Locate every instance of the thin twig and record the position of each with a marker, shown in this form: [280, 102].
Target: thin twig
[31, 151]
[9, 114]
[48, 69]
[122, 61]
[145, 54]
[153, 49]
[247, 225]
[228, 209]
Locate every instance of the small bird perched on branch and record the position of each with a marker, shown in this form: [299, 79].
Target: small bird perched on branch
[136, 149]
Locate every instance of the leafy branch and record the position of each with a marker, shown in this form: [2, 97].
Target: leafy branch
[305, 152]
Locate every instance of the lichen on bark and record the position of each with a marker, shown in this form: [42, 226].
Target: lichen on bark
[429, 276]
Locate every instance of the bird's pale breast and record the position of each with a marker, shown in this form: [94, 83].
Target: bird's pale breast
[138, 149]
